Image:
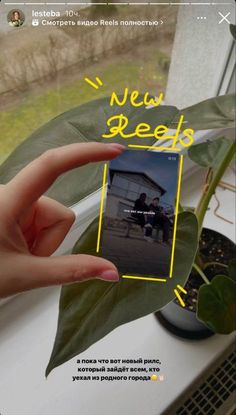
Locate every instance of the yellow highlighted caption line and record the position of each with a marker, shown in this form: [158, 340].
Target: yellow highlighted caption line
[179, 298]
[133, 277]
[176, 215]
[101, 206]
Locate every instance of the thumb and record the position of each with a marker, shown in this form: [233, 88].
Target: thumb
[46, 271]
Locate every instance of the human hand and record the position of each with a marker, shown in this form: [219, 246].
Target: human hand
[32, 226]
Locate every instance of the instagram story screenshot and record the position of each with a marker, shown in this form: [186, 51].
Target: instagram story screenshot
[117, 207]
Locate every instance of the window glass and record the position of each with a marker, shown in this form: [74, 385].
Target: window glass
[43, 65]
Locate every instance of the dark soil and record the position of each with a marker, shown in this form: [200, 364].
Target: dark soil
[213, 247]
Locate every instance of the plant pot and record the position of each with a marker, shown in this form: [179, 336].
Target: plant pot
[182, 321]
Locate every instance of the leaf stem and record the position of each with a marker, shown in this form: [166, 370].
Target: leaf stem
[213, 179]
[201, 273]
[209, 264]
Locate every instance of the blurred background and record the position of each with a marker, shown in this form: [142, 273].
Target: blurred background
[42, 68]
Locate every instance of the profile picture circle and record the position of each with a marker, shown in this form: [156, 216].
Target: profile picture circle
[15, 18]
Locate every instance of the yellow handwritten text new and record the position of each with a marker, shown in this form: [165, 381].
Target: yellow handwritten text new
[119, 124]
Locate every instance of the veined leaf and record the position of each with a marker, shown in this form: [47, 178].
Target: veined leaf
[217, 112]
[217, 304]
[233, 30]
[232, 270]
[90, 310]
[87, 122]
[210, 153]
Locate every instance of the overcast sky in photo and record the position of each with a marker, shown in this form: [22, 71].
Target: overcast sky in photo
[155, 164]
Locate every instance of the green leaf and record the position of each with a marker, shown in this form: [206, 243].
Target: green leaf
[210, 153]
[217, 305]
[90, 310]
[186, 208]
[218, 112]
[233, 30]
[87, 122]
[232, 270]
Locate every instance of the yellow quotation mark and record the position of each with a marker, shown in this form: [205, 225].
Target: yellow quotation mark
[97, 85]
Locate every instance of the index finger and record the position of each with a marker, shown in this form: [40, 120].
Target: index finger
[34, 179]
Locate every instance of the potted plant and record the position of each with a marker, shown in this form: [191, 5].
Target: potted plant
[210, 288]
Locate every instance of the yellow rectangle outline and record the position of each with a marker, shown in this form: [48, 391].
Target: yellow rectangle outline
[179, 298]
[101, 206]
[176, 214]
[175, 222]
[134, 277]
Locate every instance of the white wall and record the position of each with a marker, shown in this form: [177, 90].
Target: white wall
[199, 54]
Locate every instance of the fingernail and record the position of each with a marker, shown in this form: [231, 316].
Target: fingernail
[109, 275]
[117, 146]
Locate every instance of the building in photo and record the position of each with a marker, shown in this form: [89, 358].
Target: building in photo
[125, 187]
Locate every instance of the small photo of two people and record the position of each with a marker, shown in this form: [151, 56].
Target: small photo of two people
[140, 209]
[152, 218]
